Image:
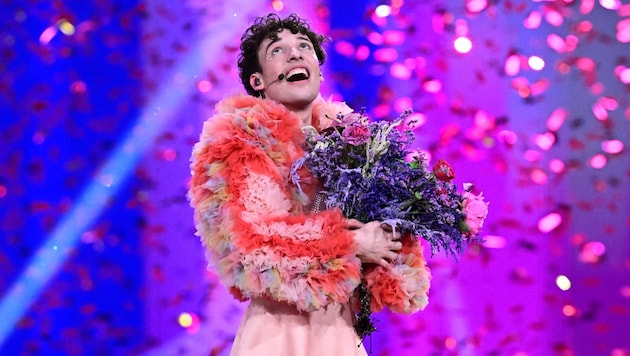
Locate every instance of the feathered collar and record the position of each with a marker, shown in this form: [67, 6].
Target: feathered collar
[326, 113]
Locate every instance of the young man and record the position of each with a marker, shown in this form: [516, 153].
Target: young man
[298, 266]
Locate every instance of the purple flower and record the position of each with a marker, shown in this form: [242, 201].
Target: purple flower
[367, 170]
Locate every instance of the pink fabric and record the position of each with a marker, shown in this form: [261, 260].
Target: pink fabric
[274, 328]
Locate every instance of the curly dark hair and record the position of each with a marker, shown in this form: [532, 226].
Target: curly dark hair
[268, 27]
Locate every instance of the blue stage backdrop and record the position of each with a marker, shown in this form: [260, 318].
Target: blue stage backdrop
[101, 103]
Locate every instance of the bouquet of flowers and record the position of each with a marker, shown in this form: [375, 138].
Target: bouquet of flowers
[369, 171]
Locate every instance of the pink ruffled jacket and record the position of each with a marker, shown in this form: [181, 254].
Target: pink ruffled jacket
[258, 229]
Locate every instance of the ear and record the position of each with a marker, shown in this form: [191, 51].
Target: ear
[321, 77]
[255, 80]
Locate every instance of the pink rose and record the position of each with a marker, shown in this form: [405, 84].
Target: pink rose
[333, 113]
[476, 210]
[356, 134]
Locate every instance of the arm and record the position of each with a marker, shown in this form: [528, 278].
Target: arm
[244, 215]
[404, 286]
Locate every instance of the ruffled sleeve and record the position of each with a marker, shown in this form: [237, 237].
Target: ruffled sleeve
[250, 219]
[403, 288]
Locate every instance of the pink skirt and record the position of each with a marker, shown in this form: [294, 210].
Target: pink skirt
[273, 328]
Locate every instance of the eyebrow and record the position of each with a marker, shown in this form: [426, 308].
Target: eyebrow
[277, 39]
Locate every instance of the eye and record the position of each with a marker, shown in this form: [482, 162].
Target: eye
[276, 50]
[306, 45]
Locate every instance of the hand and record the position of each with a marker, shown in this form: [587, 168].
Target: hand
[376, 242]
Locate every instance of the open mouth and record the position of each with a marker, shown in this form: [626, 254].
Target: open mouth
[297, 74]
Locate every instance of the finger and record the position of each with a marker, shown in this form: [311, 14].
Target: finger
[387, 227]
[354, 224]
[392, 256]
[384, 263]
[395, 246]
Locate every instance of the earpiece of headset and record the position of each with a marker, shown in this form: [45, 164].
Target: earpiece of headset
[257, 81]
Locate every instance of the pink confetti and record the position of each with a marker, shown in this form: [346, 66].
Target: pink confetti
[598, 161]
[533, 20]
[586, 6]
[623, 31]
[344, 48]
[549, 222]
[512, 64]
[204, 86]
[592, 252]
[476, 6]
[538, 176]
[400, 71]
[402, 104]
[494, 241]
[569, 310]
[385, 54]
[545, 141]
[432, 86]
[556, 165]
[507, 137]
[540, 86]
[556, 119]
[600, 111]
[393, 37]
[610, 4]
[553, 17]
[47, 35]
[375, 38]
[624, 74]
[532, 155]
[78, 87]
[380, 18]
[363, 52]
[612, 146]
[483, 120]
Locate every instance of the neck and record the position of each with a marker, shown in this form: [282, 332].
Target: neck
[304, 113]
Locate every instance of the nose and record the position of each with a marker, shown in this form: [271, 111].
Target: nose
[295, 54]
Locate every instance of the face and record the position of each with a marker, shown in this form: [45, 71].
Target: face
[293, 57]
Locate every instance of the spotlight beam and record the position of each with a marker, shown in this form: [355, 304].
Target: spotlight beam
[110, 178]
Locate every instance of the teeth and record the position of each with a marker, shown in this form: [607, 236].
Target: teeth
[296, 71]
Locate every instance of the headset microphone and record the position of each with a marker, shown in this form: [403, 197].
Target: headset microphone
[280, 77]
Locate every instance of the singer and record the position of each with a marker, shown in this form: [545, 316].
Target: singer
[298, 264]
